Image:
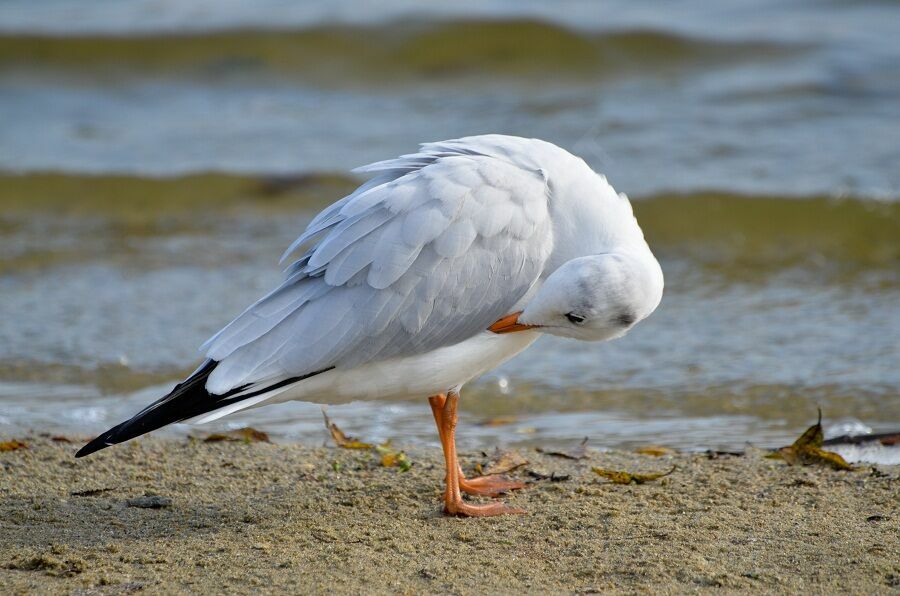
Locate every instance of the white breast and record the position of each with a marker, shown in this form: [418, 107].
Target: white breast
[414, 377]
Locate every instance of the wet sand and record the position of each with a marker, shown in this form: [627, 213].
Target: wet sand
[259, 517]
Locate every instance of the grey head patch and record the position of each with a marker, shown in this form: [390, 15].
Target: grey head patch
[625, 319]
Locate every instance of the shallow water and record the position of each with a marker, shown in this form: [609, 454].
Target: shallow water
[156, 158]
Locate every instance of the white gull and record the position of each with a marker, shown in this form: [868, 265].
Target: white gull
[445, 264]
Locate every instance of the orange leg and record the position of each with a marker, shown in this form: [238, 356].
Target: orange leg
[444, 409]
[485, 486]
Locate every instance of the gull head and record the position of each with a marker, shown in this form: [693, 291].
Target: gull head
[596, 297]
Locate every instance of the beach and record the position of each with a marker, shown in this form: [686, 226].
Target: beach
[167, 516]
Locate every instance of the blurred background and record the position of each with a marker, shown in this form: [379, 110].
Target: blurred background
[156, 157]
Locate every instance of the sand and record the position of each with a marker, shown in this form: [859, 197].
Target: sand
[166, 516]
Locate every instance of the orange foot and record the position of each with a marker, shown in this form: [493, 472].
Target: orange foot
[463, 509]
[444, 408]
[488, 486]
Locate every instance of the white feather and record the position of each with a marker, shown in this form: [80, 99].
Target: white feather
[431, 251]
[456, 239]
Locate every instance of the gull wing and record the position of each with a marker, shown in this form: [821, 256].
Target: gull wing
[429, 252]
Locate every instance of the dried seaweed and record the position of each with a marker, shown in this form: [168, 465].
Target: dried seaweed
[655, 450]
[391, 458]
[620, 477]
[388, 457]
[13, 445]
[807, 450]
[579, 452]
[246, 434]
[341, 439]
[502, 462]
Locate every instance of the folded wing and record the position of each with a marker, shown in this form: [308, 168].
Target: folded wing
[431, 251]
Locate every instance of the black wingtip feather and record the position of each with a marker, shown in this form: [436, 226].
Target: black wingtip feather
[188, 399]
[101, 442]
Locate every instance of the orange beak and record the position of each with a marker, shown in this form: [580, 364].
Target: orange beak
[510, 324]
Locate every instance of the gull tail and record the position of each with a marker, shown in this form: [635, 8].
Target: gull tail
[190, 401]
[187, 400]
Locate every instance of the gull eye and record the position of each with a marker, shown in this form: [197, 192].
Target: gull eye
[575, 319]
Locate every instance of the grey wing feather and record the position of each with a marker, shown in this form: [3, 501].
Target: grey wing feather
[428, 253]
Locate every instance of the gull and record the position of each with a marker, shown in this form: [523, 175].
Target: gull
[443, 265]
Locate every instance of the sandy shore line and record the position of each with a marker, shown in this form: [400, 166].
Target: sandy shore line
[260, 517]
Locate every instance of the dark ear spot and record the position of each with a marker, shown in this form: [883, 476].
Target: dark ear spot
[625, 319]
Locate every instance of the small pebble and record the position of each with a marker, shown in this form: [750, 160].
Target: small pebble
[149, 502]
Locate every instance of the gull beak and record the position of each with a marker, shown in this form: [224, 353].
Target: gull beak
[510, 324]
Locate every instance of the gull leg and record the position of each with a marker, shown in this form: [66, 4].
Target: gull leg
[437, 410]
[444, 408]
[485, 486]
